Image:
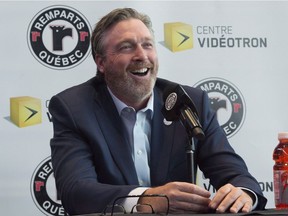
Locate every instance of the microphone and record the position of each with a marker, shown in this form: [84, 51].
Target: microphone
[178, 105]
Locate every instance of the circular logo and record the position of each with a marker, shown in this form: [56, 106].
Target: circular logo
[59, 37]
[171, 101]
[227, 101]
[43, 190]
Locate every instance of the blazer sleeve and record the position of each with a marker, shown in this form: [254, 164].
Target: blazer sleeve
[72, 161]
[215, 156]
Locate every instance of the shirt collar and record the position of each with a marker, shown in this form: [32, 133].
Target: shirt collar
[120, 105]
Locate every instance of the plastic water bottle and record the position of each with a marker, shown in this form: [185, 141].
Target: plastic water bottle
[280, 171]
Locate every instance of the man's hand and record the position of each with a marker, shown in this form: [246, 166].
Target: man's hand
[233, 199]
[183, 197]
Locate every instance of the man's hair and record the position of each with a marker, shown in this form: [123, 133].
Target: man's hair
[108, 21]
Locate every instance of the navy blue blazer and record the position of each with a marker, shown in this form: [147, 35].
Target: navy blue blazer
[92, 160]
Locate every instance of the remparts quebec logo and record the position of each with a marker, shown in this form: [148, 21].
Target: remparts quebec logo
[227, 101]
[59, 37]
[43, 190]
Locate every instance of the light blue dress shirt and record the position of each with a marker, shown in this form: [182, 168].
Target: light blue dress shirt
[138, 128]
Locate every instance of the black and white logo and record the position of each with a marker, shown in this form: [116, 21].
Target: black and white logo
[59, 37]
[171, 101]
[227, 101]
[43, 190]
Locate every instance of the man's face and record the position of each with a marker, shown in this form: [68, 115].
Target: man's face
[130, 62]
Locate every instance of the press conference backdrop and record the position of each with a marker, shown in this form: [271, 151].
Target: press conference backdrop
[236, 51]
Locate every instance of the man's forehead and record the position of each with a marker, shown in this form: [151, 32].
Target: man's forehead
[125, 25]
[129, 29]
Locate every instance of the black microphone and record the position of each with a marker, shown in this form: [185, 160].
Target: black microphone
[178, 105]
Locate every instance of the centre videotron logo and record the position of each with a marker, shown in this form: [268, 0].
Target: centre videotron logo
[178, 36]
[25, 111]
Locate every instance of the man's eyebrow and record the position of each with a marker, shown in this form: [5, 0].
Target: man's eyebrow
[130, 40]
[126, 41]
[133, 41]
[149, 39]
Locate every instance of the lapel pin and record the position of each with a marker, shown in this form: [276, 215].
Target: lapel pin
[167, 122]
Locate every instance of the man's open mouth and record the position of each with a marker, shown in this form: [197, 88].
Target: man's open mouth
[140, 72]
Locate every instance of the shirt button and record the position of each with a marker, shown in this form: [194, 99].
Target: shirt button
[139, 152]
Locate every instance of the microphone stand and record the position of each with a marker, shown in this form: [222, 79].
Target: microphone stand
[190, 149]
[192, 131]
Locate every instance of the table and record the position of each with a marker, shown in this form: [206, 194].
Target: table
[273, 212]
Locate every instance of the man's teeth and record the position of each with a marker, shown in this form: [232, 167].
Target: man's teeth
[143, 70]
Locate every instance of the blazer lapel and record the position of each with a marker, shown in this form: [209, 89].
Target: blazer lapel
[161, 143]
[112, 129]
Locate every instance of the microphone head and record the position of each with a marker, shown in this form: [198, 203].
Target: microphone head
[178, 105]
[171, 109]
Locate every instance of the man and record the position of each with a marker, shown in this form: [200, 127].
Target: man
[111, 140]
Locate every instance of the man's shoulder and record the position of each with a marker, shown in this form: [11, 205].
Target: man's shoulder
[81, 95]
[87, 87]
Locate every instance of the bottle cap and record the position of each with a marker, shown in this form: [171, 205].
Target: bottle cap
[283, 135]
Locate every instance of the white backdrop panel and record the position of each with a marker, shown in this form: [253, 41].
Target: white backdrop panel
[259, 73]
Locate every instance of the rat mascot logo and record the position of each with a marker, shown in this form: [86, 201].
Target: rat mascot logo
[59, 37]
[43, 190]
[227, 101]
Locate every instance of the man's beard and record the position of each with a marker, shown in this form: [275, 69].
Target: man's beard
[128, 89]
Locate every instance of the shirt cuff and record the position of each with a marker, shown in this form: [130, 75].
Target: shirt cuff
[255, 197]
[129, 202]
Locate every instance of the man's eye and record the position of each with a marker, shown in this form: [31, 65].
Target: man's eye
[148, 45]
[125, 47]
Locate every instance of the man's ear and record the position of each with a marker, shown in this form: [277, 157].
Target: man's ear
[99, 60]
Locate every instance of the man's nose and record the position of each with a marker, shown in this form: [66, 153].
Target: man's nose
[140, 53]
